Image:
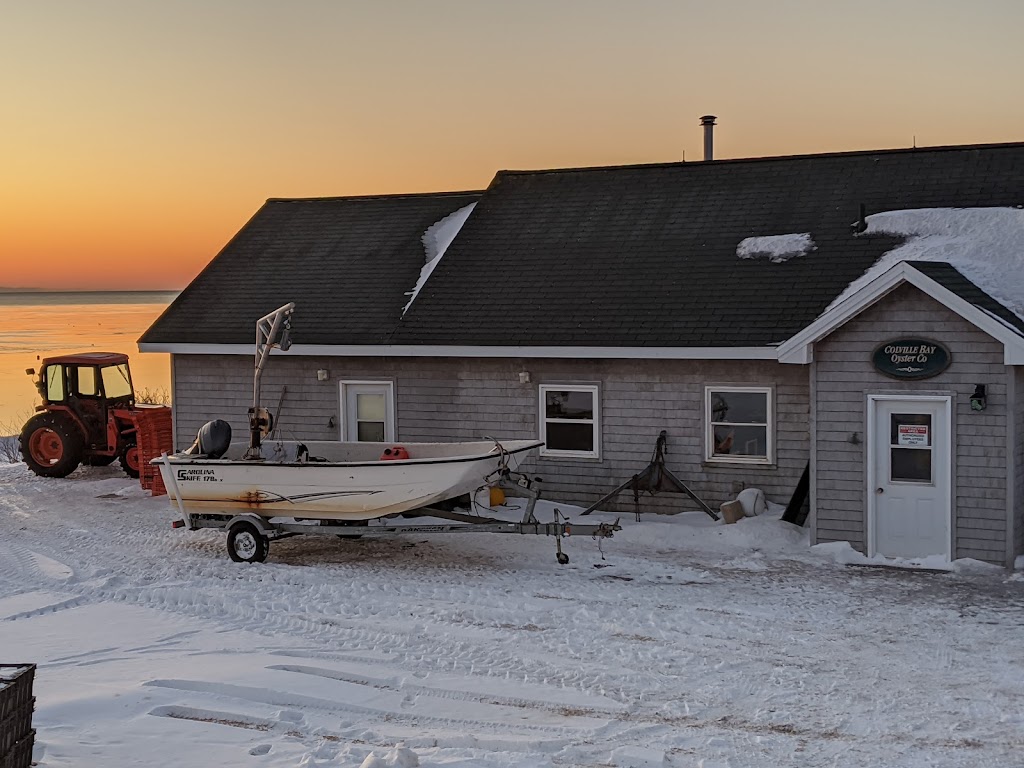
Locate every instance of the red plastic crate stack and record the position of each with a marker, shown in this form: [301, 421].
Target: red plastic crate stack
[154, 437]
[16, 705]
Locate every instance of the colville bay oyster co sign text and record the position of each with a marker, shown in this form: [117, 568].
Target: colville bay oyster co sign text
[911, 358]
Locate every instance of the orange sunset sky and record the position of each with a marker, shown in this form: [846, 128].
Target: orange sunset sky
[138, 136]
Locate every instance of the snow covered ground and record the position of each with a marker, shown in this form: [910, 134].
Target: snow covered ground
[689, 643]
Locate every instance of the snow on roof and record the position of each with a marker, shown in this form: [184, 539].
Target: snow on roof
[986, 245]
[436, 240]
[777, 248]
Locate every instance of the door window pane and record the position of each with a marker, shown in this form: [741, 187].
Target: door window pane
[910, 447]
[910, 465]
[370, 431]
[908, 429]
[370, 407]
[371, 411]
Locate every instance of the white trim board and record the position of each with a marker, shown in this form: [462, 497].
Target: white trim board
[412, 350]
[799, 349]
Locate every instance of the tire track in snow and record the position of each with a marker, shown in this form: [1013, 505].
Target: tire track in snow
[276, 698]
[451, 693]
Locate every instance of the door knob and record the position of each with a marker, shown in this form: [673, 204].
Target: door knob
[879, 490]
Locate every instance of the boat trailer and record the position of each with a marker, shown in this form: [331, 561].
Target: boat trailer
[249, 535]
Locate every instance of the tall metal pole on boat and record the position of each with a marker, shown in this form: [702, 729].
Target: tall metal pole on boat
[267, 328]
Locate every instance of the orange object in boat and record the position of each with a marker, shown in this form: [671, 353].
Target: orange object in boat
[394, 452]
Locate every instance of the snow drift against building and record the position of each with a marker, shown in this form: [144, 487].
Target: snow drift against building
[985, 244]
[436, 240]
[776, 248]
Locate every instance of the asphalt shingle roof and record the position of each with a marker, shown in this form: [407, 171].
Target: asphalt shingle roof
[646, 255]
[346, 262]
[951, 278]
[624, 256]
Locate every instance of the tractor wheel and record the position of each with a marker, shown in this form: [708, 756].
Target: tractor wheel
[51, 445]
[129, 458]
[96, 460]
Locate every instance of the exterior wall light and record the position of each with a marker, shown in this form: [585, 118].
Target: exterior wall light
[978, 399]
[321, 375]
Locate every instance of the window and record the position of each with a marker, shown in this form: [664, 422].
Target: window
[910, 448]
[368, 409]
[739, 424]
[55, 383]
[116, 382]
[86, 382]
[568, 421]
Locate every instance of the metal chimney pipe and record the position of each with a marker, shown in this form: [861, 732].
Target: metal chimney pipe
[708, 121]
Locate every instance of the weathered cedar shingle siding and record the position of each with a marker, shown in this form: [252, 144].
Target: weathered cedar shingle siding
[844, 378]
[455, 399]
[1018, 460]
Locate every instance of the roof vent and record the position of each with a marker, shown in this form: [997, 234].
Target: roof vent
[708, 121]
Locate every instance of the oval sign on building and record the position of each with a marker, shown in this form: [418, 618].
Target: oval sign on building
[911, 358]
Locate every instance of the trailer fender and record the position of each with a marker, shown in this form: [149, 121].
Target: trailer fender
[262, 524]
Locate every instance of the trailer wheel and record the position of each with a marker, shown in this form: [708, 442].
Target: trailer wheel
[246, 544]
[562, 558]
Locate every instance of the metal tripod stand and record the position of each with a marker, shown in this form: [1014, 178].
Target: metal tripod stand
[653, 478]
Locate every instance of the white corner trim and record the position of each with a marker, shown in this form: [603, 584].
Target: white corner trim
[413, 350]
[799, 349]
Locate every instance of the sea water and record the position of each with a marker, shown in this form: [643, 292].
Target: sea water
[35, 325]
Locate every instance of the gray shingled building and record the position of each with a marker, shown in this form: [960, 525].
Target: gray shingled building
[596, 307]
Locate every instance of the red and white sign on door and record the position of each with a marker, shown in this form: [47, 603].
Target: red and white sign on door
[912, 434]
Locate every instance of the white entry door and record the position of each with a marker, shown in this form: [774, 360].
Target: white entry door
[369, 411]
[909, 494]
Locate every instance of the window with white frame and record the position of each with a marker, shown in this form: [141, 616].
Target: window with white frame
[569, 421]
[368, 409]
[739, 424]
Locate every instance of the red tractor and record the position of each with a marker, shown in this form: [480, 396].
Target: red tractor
[87, 415]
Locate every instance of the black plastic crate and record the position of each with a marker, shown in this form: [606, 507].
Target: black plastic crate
[16, 726]
[20, 755]
[15, 687]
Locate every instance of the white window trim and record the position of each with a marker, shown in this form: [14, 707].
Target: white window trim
[390, 428]
[709, 435]
[595, 422]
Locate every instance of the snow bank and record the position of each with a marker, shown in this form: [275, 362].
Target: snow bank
[776, 248]
[985, 244]
[436, 240]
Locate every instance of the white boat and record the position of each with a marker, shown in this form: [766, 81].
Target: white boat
[333, 480]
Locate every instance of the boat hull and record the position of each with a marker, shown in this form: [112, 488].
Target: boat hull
[334, 490]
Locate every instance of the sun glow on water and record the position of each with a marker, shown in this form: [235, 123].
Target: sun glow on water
[39, 325]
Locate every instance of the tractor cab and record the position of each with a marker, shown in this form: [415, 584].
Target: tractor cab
[87, 414]
[97, 376]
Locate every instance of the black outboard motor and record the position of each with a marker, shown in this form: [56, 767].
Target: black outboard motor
[212, 442]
